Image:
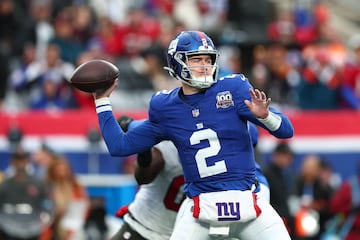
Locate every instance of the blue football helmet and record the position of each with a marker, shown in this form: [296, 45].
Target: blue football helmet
[190, 43]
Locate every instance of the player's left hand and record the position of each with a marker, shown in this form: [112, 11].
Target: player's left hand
[259, 104]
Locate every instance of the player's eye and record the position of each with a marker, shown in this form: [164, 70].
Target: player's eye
[194, 60]
[200, 60]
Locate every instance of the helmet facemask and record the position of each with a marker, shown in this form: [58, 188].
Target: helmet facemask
[187, 75]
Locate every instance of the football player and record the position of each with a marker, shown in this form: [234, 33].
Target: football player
[158, 172]
[206, 118]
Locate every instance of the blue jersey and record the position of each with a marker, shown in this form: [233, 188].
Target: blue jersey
[209, 130]
[254, 134]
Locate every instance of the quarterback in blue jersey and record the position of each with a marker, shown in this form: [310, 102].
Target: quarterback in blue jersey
[206, 118]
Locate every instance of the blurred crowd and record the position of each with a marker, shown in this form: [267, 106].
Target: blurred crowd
[291, 51]
[314, 201]
[41, 198]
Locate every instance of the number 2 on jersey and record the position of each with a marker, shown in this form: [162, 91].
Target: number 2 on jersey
[212, 150]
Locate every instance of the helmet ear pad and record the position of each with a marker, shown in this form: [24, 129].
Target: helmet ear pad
[181, 68]
[178, 60]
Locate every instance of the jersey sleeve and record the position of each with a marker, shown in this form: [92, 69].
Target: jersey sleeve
[285, 130]
[156, 105]
[136, 140]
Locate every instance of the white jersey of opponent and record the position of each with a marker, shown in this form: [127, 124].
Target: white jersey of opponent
[153, 211]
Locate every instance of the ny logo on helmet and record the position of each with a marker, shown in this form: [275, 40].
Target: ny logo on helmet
[173, 46]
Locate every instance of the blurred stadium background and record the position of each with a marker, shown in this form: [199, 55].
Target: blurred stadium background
[333, 134]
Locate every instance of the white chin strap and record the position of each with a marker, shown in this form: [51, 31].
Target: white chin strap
[202, 82]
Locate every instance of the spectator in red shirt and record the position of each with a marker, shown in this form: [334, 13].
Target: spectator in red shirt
[321, 77]
[128, 39]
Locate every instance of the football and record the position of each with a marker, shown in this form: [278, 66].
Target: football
[94, 75]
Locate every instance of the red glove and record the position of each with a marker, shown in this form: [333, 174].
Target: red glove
[122, 211]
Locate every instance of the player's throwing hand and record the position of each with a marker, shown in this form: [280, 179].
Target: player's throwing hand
[107, 92]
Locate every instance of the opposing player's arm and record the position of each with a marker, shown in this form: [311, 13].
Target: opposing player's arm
[149, 164]
[141, 138]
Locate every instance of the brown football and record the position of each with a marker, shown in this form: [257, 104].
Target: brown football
[94, 75]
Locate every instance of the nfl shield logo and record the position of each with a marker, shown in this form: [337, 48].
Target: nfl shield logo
[195, 112]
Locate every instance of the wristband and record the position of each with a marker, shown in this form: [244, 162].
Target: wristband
[272, 121]
[103, 105]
